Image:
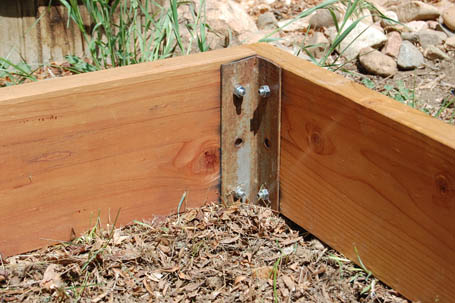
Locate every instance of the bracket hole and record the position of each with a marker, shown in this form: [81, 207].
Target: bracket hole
[238, 142]
[238, 100]
[267, 143]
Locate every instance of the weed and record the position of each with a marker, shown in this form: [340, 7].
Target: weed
[124, 32]
[15, 73]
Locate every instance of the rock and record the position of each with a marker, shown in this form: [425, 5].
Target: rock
[415, 26]
[253, 37]
[392, 15]
[267, 21]
[361, 36]
[450, 43]
[415, 10]
[377, 63]
[410, 36]
[432, 53]
[409, 56]
[322, 43]
[432, 24]
[297, 25]
[441, 27]
[392, 45]
[430, 37]
[323, 18]
[448, 16]
[223, 15]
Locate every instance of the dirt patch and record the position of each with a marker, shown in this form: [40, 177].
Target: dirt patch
[241, 253]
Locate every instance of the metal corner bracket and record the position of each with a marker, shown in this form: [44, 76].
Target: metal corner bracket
[250, 131]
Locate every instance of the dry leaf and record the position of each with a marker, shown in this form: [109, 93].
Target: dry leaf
[229, 240]
[148, 286]
[51, 278]
[239, 279]
[289, 283]
[264, 272]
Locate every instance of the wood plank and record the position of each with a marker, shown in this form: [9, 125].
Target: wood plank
[134, 138]
[361, 170]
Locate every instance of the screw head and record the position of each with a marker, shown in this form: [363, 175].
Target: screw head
[263, 194]
[264, 91]
[239, 91]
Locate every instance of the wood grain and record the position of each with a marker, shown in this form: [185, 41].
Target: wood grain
[361, 170]
[134, 138]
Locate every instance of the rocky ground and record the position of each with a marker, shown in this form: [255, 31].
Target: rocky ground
[410, 56]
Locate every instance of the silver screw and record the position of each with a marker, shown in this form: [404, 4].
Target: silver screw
[263, 194]
[239, 91]
[239, 194]
[264, 91]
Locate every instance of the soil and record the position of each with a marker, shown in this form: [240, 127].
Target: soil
[236, 253]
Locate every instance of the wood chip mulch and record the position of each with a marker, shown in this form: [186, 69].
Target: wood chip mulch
[239, 253]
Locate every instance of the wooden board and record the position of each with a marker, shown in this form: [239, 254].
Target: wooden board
[360, 170]
[134, 138]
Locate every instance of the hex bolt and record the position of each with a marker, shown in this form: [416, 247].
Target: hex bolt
[239, 91]
[264, 91]
[239, 194]
[263, 194]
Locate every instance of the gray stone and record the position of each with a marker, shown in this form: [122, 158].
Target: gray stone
[432, 52]
[415, 10]
[409, 56]
[323, 18]
[408, 36]
[448, 16]
[376, 63]
[321, 43]
[361, 36]
[430, 37]
[267, 21]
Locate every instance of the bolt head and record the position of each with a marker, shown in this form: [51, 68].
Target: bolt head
[263, 194]
[239, 193]
[264, 91]
[239, 91]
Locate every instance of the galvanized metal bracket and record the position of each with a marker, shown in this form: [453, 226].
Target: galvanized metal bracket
[250, 131]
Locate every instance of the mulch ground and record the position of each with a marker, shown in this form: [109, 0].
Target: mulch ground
[240, 253]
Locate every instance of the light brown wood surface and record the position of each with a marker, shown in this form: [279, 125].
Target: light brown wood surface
[134, 138]
[360, 170]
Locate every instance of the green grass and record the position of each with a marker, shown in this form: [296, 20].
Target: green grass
[124, 32]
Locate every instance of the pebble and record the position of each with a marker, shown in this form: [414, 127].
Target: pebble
[416, 10]
[432, 52]
[267, 21]
[448, 17]
[376, 63]
[392, 45]
[415, 26]
[360, 37]
[409, 56]
[430, 37]
[322, 43]
[450, 43]
[391, 15]
[323, 18]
